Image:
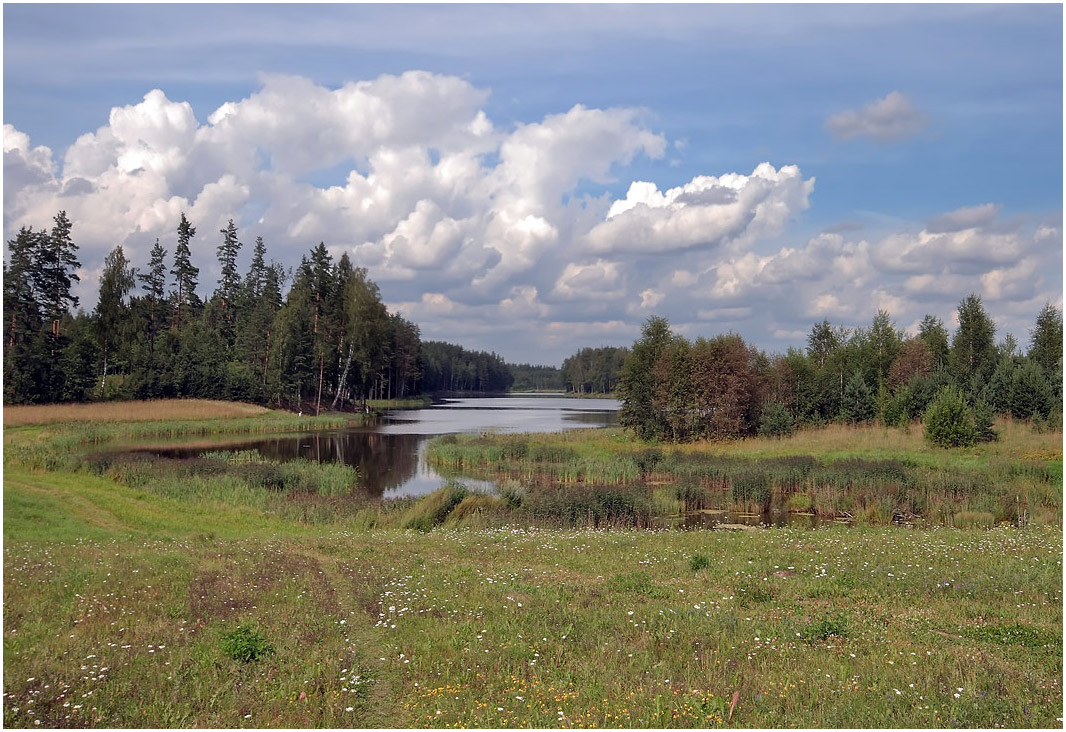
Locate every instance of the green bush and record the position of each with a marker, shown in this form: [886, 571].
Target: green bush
[825, 629]
[245, 644]
[776, 421]
[698, 562]
[983, 421]
[949, 421]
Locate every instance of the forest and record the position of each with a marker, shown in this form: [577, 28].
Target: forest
[329, 342]
[722, 388]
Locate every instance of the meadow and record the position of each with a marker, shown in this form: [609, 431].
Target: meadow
[152, 594]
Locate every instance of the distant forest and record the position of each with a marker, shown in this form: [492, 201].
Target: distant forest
[329, 343]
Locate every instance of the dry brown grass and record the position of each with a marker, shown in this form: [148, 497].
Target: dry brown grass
[133, 411]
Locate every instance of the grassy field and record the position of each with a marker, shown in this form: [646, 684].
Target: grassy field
[140, 599]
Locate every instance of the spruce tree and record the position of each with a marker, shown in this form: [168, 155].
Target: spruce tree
[154, 283]
[1046, 345]
[973, 350]
[935, 335]
[23, 320]
[185, 274]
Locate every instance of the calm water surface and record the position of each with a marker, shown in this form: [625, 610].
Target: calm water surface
[390, 455]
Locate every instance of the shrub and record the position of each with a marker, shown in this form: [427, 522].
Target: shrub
[948, 420]
[245, 644]
[858, 404]
[983, 421]
[512, 494]
[776, 421]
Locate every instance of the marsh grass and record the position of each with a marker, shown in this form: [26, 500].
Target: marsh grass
[866, 473]
[130, 411]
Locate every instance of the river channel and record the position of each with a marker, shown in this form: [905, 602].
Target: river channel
[390, 454]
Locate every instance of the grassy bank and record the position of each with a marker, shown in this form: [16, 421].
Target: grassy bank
[511, 627]
[51, 437]
[873, 474]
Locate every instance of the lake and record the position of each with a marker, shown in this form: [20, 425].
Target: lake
[390, 454]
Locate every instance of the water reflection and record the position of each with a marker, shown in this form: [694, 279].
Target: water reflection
[390, 455]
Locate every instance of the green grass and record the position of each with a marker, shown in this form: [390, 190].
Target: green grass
[509, 626]
[869, 474]
[137, 597]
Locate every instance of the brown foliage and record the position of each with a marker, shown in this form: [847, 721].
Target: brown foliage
[914, 358]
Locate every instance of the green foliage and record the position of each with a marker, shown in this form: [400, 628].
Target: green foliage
[826, 628]
[451, 368]
[973, 350]
[1031, 393]
[1014, 634]
[594, 370]
[983, 422]
[858, 404]
[432, 510]
[647, 460]
[1045, 347]
[246, 644]
[753, 592]
[752, 486]
[698, 561]
[776, 421]
[637, 384]
[949, 421]
[637, 583]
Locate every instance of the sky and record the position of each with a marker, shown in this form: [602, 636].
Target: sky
[534, 179]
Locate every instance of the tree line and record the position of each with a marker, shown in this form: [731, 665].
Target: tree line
[327, 343]
[723, 388]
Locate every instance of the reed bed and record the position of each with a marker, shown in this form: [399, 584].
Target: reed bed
[850, 473]
[129, 411]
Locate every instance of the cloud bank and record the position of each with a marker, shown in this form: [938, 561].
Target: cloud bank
[509, 237]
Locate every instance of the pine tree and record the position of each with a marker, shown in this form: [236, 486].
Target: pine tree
[858, 404]
[154, 283]
[227, 295]
[1046, 345]
[935, 335]
[23, 320]
[185, 274]
[973, 350]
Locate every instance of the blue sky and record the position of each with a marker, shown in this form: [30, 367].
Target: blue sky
[914, 156]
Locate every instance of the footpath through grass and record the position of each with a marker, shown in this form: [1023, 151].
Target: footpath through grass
[146, 606]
